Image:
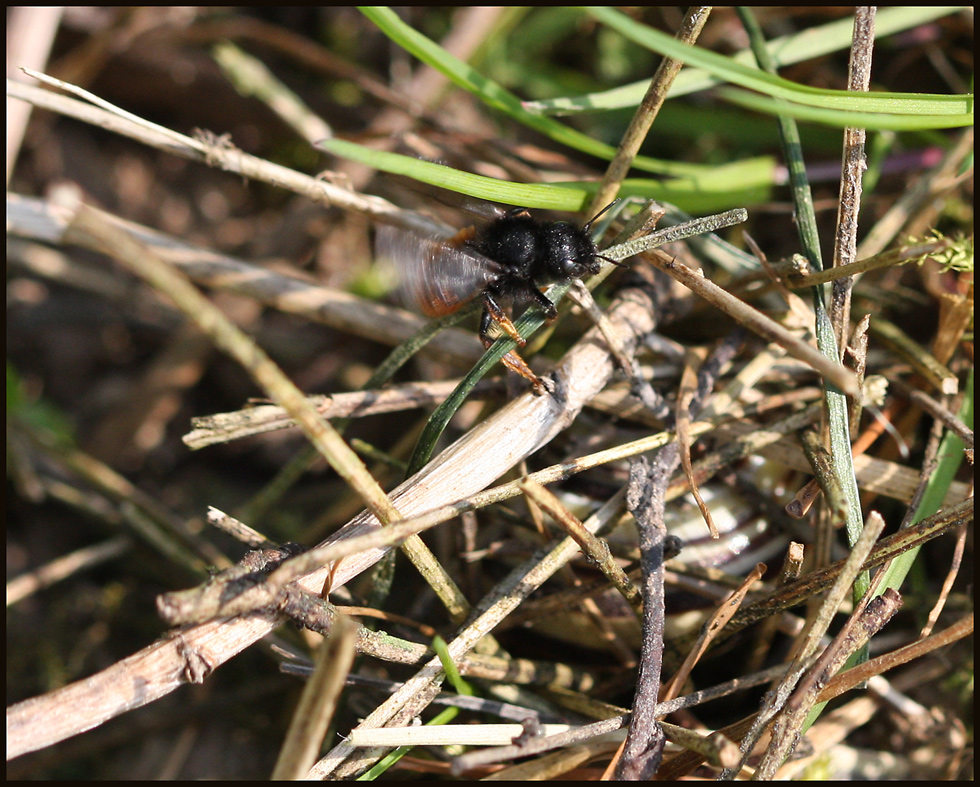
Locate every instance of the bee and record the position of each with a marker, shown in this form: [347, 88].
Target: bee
[507, 260]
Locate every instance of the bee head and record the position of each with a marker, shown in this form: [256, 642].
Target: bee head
[569, 252]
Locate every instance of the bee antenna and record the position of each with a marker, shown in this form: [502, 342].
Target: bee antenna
[590, 222]
[617, 263]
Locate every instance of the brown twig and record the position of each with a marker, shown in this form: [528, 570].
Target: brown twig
[849, 205]
[647, 111]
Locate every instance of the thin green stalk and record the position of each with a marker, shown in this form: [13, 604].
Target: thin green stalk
[840, 442]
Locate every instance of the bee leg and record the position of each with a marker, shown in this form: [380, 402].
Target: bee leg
[515, 363]
[542, 301]
[493, 313]
[512, 360]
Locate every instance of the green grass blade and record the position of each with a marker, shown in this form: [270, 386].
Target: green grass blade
[729, 70]
[840, 118]
[813, 42]
[444, 717]
[715, 189]
[526, 325]
[497, 97]
[572, 198]
[950, 460]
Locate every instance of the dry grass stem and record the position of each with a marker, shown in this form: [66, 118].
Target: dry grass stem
[316, 707]
[682, 420]
[819, 459]
[259, 419]
[647, 111]
[756, 322]
[343, 311]
[719, 619]
[938, 376]
[594, 548]
[85, 221]
[853, 167]
[209, 151]
[237, 529]
[901, 256]
[20, 587]
[787, 727]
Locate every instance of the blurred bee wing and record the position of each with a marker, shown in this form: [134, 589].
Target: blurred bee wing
[406, 191]
[437, 276]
